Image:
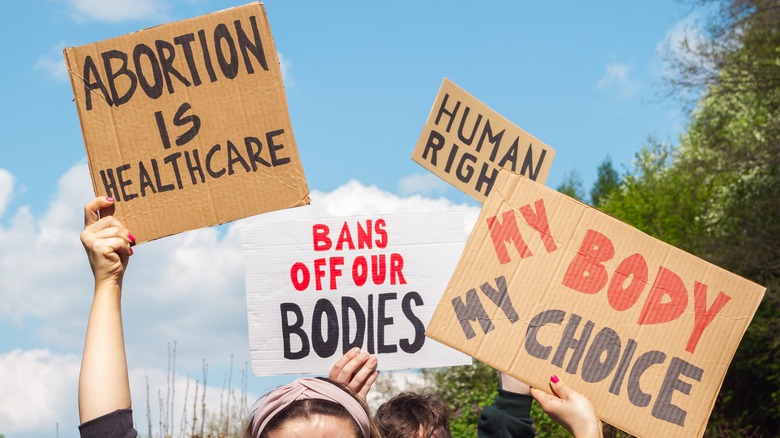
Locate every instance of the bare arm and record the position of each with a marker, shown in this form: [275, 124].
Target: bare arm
[103, 382]
[509, 383]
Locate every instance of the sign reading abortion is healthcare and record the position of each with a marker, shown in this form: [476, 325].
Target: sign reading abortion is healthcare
[186, 124]
[316, 289]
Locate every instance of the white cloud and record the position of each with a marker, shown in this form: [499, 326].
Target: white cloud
[285, 65]
[681, 43]
[6, 189]
[679, 48]
[423, 184]
[617, 78]
[117, 10]
[38, 392]
[187, 288]
[354, 198]
[41, 261]
[52, 64]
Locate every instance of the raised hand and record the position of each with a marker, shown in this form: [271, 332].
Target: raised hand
[569, 408]
[356, 369]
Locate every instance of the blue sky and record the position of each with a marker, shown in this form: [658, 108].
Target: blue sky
[584, 77]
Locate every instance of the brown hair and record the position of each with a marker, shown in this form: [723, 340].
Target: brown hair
[408, 413]
[306, 408]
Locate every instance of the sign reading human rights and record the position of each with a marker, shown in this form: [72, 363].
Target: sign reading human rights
[547, 285]
[316, 289]
[466, 143]
[186, 124]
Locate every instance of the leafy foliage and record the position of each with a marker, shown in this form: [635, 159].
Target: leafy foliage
[572, 185]
[607, 182]
[467, 390]
[717, 194]
[659, 198]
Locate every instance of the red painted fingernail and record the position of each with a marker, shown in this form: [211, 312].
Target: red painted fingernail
[109, 199]
[131, 251]
[131, 237]
[554, 378]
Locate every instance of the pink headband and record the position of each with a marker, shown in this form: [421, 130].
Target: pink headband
[305, 388]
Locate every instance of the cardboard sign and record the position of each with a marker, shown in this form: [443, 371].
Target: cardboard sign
[316, 289]
[547, 285]
[186, 124]
[465, 143]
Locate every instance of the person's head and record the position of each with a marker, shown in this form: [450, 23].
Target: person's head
[410, 414]
[313, 408]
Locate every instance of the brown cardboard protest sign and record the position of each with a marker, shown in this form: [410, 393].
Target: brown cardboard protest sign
[465, 143]
[186, 124]
[547, 285]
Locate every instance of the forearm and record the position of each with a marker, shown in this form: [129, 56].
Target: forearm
[591, 431]
[103, 383]
[509, 383]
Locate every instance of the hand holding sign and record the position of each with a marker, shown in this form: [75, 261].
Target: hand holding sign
[569, 408]
[106, 241]
[356, 369]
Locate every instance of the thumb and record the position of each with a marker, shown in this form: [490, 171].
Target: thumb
[541, 397]
[99, 207]
[559, 388]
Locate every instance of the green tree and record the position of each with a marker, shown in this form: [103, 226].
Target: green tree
[572, 185]
[738, 36]
[607, 181]
[658, 197]
[716, 202]
[717, 194]
[735, 135]
[467, 390]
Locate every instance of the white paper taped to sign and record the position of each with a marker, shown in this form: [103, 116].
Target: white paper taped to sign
[317, 288]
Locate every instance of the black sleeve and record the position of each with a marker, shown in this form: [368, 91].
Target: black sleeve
[117, 424]
[508, 417]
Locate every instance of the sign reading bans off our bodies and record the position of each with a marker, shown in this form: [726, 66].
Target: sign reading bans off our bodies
[646, 331]
[316, 289]
[466, 143]
[186, 124]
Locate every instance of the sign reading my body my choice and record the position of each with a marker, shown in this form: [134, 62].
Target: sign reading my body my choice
[316, 289]
[186, 124]
[548, 285]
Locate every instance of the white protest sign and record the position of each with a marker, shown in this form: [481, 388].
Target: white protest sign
[317, 288]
